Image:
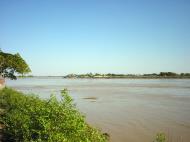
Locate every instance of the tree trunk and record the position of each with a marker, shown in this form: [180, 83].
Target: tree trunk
[2, 82]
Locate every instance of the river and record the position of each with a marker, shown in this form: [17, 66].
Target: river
[130, 110]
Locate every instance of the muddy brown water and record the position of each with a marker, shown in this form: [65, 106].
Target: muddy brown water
[130, 110]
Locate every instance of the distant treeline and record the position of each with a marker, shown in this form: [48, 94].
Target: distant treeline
[24, 76]
[111, 75]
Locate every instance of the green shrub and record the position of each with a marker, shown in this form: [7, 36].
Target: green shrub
[29, 118]
[160, 137]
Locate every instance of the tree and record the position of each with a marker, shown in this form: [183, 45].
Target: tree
[168, 74]
[11, 64]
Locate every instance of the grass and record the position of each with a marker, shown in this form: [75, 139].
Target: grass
[27, 118]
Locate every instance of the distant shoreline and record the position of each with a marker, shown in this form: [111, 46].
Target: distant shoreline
[107, 77]
[161, 75]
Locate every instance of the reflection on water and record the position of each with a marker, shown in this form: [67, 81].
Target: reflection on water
[130, 110]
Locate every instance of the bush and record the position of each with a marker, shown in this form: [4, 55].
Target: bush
[160, 137]
[29, 118]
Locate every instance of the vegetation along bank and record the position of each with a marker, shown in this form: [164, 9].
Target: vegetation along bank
[29, 118]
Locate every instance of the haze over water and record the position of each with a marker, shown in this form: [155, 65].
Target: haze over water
[130, 110]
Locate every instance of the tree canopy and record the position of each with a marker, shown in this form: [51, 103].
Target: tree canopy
[12, 64]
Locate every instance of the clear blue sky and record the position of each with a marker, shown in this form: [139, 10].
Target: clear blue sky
[58, 37]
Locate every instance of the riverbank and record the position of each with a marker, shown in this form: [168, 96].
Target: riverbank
[96, 78]
[29, 118]
[161, 75]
